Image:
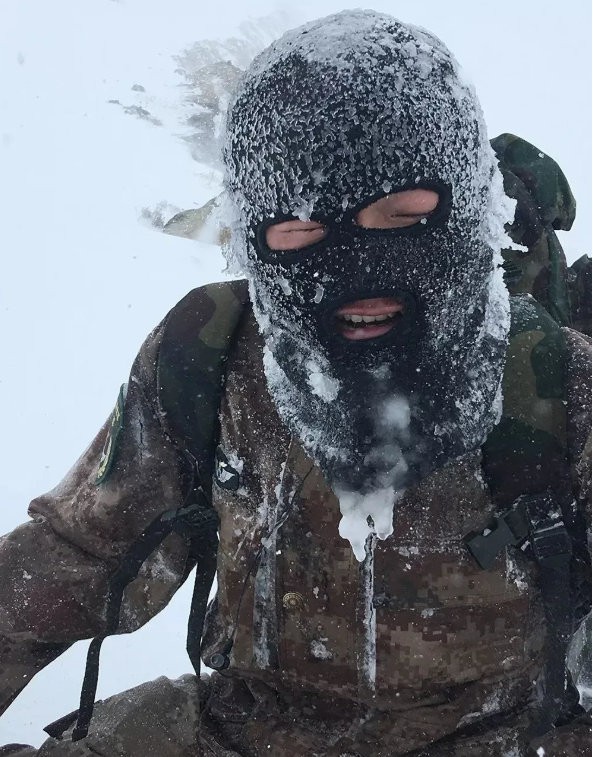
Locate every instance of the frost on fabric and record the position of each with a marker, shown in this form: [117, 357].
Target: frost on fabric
[492, 705]
[319, 650]
[321, 383]
[516, 574]
[235, 461]
[265, 624]
[328, 44]
[264, 600]
[319, 291]
[285, 285]
[311, 436]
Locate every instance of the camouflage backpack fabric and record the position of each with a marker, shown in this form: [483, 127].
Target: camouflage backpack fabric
[545, 204]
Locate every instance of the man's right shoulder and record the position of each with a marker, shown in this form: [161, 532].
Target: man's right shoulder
[200, 324]
[208, 307]
[194, 342]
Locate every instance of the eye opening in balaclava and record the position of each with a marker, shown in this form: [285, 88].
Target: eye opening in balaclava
[344, 232]
[348, 221]
[335, 113]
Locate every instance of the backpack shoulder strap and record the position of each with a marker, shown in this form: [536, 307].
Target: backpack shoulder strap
[526, 453]
[198, 335]
[526, 465]
[191, 372]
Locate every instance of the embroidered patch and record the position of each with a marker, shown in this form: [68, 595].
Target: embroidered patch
[224, 474]
[109, 448]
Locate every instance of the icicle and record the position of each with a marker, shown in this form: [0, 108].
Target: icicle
[264, 607]
[265, 616]
[368, 617]
[264, 600]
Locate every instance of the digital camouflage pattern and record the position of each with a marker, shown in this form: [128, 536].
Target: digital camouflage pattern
[230, 711]
[458, 649]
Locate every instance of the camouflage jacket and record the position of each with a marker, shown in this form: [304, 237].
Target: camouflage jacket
[426, 632]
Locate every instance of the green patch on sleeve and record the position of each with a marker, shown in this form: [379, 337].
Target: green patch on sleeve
[109, 450]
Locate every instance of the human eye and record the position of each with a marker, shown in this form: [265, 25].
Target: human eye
[294, 235]
[398, 210]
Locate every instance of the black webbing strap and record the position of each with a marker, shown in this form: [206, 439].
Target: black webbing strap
[201, 523]
[537, 521]
[552, 549]
[195, 625]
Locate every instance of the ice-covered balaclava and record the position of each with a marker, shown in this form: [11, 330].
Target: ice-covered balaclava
[331, 117]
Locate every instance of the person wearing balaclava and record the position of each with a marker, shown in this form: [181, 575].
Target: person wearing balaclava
[363, 378]
[330, 137]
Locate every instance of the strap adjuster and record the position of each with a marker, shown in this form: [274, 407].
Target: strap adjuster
[550, 540]
[505, 530]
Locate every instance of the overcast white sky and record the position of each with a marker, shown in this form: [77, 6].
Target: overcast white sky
[83, 281]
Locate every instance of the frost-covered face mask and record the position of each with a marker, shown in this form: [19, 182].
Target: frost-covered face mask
[384, 341]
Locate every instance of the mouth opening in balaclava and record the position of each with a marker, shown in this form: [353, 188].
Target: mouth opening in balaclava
[384, 347]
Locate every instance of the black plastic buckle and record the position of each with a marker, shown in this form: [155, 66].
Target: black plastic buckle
[505, 530]
[57, 729]
[550, 540]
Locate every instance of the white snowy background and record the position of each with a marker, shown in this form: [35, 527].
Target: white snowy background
[84, 277]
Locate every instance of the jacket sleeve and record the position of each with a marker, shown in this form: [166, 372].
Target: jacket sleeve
[55, 569]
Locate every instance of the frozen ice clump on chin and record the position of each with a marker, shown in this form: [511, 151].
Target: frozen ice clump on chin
[364, 514]
[372, 512]
[395, 414]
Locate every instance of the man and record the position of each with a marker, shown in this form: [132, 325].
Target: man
[369, 433]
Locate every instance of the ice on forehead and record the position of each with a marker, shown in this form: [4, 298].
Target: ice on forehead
[357, 39]
[339, 83]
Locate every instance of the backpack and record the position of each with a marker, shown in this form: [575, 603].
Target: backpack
[191, 373]
[545, 204]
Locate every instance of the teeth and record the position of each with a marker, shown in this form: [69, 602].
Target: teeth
[366, 318]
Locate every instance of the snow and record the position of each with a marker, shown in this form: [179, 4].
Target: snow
[85, 183]
[319, 650]
[322, 384]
